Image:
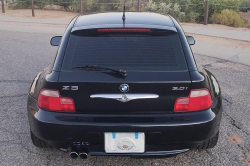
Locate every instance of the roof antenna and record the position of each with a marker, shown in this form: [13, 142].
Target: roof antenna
[124, 17]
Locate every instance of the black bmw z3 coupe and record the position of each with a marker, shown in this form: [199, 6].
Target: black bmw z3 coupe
[125, 85]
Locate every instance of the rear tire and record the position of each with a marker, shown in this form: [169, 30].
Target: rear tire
[38, 142]
[210, 143]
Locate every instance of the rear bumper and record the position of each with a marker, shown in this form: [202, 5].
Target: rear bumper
[165, 133]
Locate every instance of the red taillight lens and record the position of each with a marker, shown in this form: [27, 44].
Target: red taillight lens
[51, 100]
[124, 30]
[198, 100]
[67, 105]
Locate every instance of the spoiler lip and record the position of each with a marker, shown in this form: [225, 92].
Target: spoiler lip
[121, 26]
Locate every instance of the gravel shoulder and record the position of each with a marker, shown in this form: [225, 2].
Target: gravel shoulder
[41, 14]
[217, 26]
[221, 41]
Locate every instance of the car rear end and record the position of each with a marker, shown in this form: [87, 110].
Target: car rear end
[165, 108]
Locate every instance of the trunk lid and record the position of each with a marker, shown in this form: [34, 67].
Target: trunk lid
[168, 86]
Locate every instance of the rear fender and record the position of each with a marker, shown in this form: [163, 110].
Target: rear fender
[47, 79]
[205, 79]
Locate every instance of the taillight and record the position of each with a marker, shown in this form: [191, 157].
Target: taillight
[51, 100]
[197, 100]
[124, 30]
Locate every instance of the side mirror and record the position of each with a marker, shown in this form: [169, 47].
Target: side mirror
[190, 40]
[55, 41]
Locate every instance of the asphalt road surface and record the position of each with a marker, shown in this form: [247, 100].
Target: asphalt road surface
[23, 55]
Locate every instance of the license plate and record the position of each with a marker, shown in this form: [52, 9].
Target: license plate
[124, 142]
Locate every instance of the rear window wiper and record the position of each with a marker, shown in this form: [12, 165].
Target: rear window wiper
[99, 68]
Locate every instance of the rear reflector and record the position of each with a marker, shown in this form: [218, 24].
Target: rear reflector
[51, 100]
[124, 30]
[198, 100]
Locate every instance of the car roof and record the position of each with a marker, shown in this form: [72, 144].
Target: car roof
[133, 19]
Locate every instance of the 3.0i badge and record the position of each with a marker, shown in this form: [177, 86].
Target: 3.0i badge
[124, 88]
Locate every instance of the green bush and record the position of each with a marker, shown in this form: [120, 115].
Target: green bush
[230, 18]
[215, 6]
[89, 6]
[193, 9]
[95, 6]
[245, 6]
[19, 4]
[172, 9]
[25, 4]
[191, 16]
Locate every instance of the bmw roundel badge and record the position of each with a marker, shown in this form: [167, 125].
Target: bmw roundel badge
[124, 88]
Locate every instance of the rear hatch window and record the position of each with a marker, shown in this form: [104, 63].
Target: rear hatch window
[157, 51]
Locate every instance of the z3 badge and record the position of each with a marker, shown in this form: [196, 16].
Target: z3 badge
[70, 88]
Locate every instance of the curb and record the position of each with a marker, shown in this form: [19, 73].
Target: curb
[217, 36]
[34, 22]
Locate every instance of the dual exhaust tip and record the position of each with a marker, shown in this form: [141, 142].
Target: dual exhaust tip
[75, 153]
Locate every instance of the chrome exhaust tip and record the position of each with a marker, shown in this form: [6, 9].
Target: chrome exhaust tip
[83, 155]
[73, 154]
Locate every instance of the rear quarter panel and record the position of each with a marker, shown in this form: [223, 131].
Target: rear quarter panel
[48, 77]
[201, 78]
